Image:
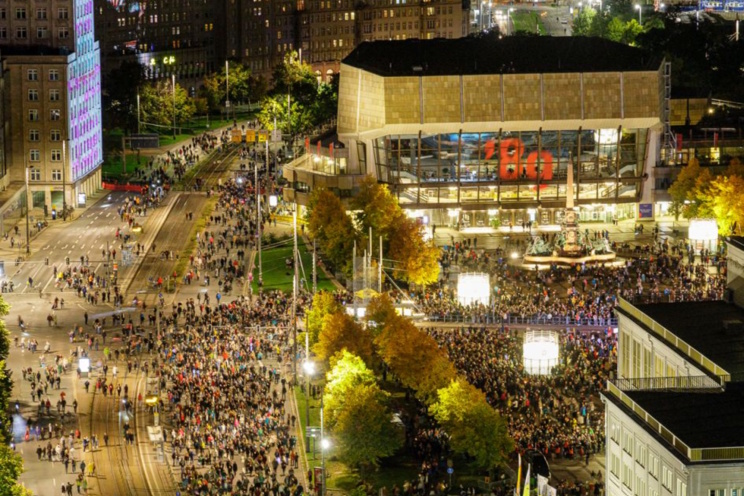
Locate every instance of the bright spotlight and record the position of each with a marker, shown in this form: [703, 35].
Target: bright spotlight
[473, 288]
[325, 443]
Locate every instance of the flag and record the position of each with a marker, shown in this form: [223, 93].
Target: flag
[519, 476]
[527, 483]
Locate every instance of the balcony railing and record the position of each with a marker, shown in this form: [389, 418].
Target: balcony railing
[679, 383]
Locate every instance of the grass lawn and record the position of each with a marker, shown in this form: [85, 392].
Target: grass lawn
[525, 20]
[276, 274]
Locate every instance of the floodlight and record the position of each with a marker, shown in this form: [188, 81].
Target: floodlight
[473, 288]
[540, 352]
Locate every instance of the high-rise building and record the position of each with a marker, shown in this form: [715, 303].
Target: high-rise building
[165, 36]
[326, 31]
[52, 103]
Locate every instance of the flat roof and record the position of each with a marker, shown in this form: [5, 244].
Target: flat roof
[737, 241]
[490, 55]
[701, 325]
[699, 419]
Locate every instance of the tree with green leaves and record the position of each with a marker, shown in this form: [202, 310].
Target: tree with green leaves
[474, 427]
[347, 372]
[324, 304]
[157, 104]
[244, 86]
[11, 468]
[365, 431]
[582, 23]
[358, 415]
[120, 97]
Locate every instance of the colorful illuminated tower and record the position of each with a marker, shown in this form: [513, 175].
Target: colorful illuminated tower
[52, 101]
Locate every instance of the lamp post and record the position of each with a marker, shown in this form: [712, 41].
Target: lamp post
[28, 207]
[173, 80]
[227, 90]
[324, 445]
[309, 368]
[640, 14]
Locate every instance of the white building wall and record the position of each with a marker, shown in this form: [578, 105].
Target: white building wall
[638, 464]
[642, 355]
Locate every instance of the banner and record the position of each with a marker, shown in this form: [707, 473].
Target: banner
[542, 485]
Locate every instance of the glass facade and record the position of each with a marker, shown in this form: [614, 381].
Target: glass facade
[512, 169]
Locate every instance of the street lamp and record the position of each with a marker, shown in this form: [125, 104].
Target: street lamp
[309, 368]
[640, 14]
[173, 80]
[508, 20]
[29, 203]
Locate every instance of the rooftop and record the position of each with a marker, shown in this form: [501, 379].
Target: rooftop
[702, 325]
[717, 416]
[490, 55]
[737, 241]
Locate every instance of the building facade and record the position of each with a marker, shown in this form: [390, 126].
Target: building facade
[673, 412]
[165, 36]
[52, 103]
[326, 31]
[479, 133]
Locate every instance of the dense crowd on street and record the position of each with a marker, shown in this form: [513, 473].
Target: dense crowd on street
[583, 294]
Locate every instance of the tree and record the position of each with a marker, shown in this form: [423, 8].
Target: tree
[615, 30]
[380, 312]
[120, 97]
[583, 21]
[274, 111]
[347, 373]
[365, 431]
[6, 380]
[474, 427]
[722, 199]
[682, 189]
[11, 468]
[325, 105]
[376, 207]
[416, 260]
[324, 304]
[414, 357]
[329, 225]
[242, 85]
[296, 79]
[157, 103]
[341, 332]
[632, 30]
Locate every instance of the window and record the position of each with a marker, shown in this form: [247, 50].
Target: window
[53, 95]
[628, 442]
[718, 492]
[41, 32]
[653, 466]
[21, 13]
[614, 465]
[33, 115]
[56, 174]
[33, 95]
[53, 75]
[34, 155]
[666, 477]
[21, 32]
[3, 15]
[641, 455]
[681, 488]
[56, 155]
[55, 135]
[34, 135]
[41, 14]
[32, 75]
[62, 13]
[63, 33]
[3, 32]
[35, 174]
[54, 114]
